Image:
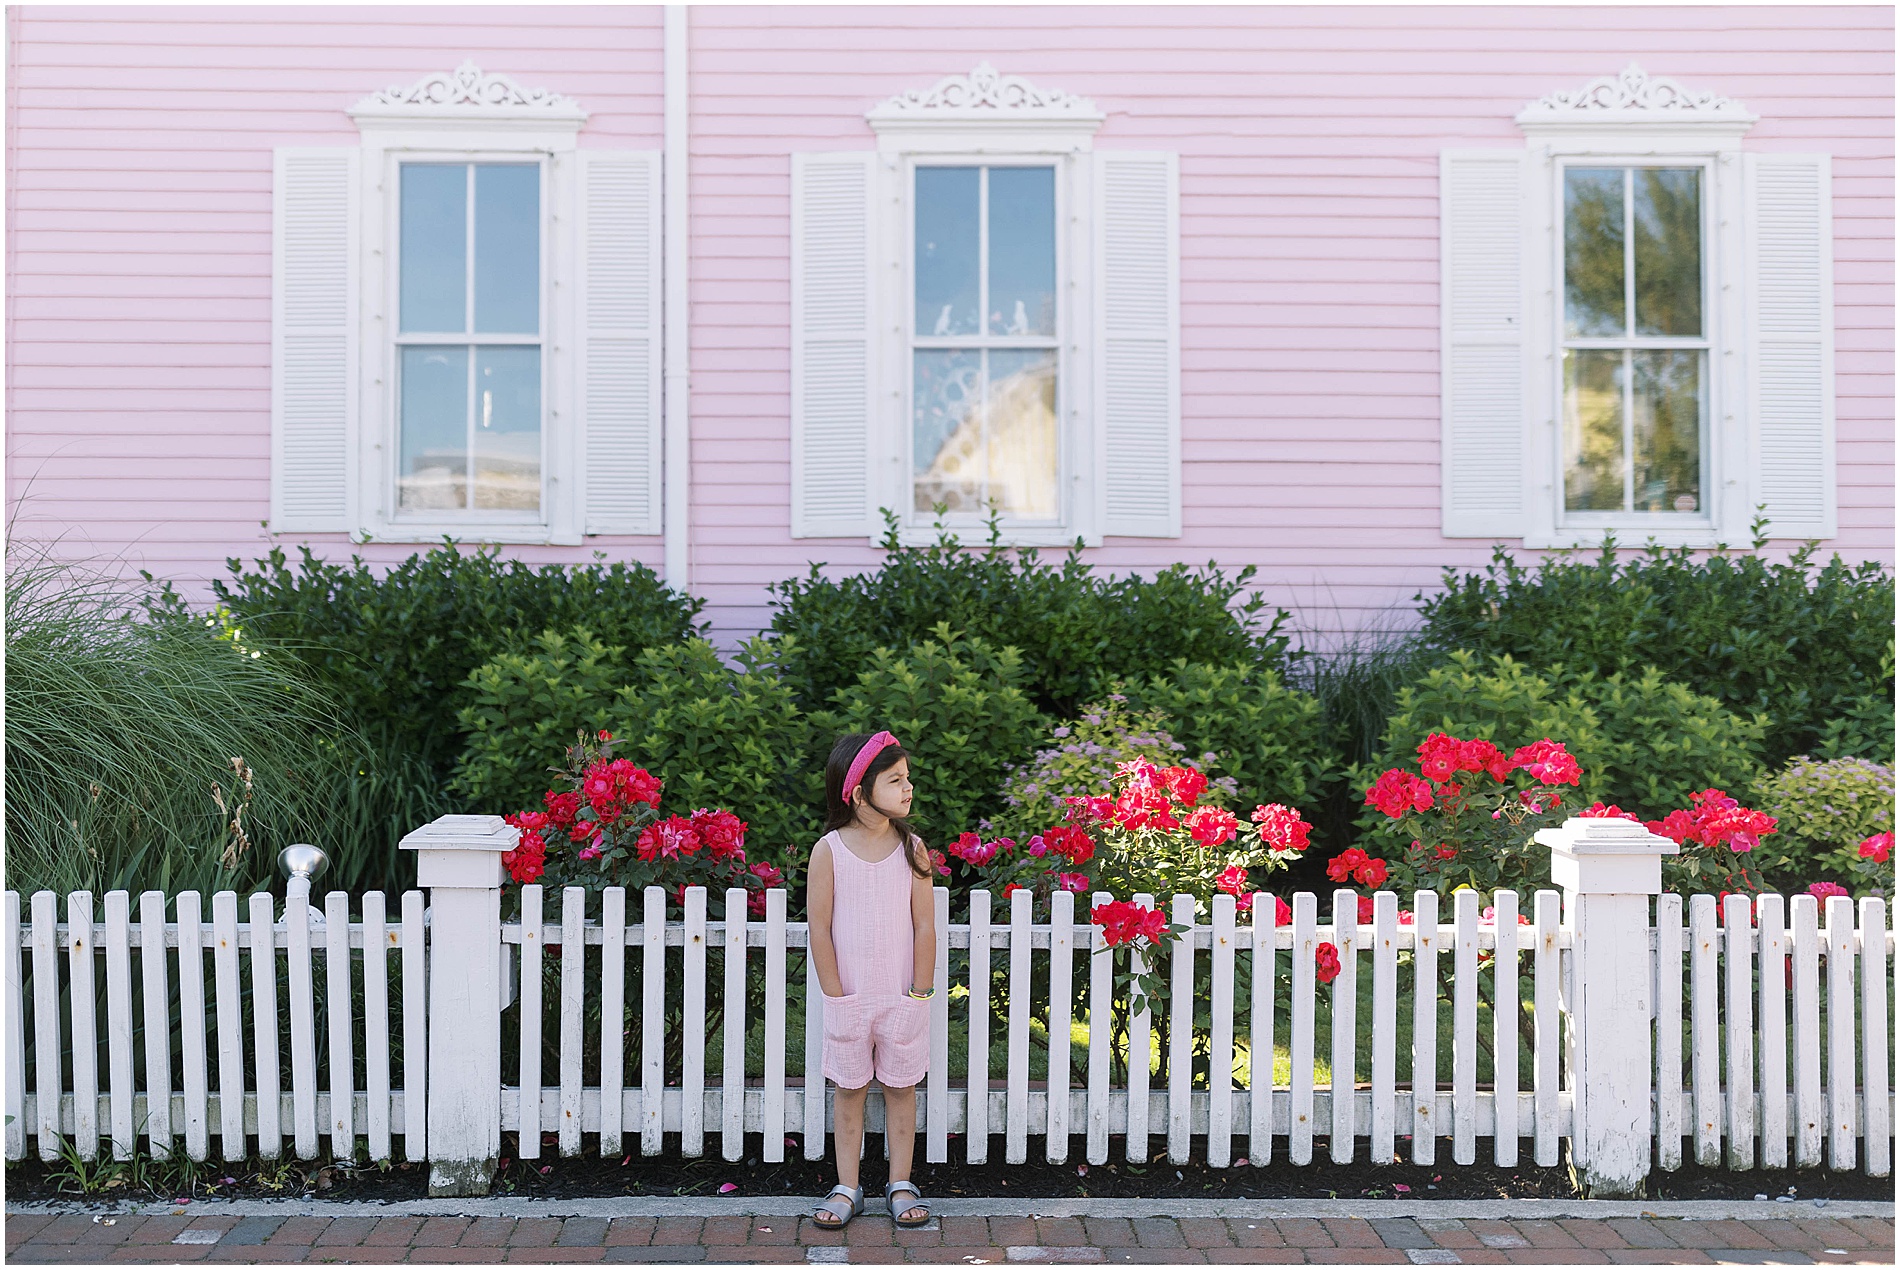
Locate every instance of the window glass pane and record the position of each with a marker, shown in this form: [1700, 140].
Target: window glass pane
[947, 430]
[1593, 430]
[508, 429]
[508, 248]
[1022, 433]
[1022, 251]
[1668, 249]
[434, 247]
[946, 251]
[1667, 410]
[1593, 252]
[434, 429]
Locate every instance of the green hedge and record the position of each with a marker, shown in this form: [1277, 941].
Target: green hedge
[398, 647]
[1075, 630]
[1803, 644]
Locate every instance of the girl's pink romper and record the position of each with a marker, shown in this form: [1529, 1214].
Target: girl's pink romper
[876, 1028]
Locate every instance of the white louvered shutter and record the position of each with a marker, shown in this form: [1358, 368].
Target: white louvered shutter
[1138, 342]
[620, 369]
[313, 338]
[1481, 271]
[833, 316]
[1791, 342]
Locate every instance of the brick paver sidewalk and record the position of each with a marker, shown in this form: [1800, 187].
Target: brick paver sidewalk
[41, 1237]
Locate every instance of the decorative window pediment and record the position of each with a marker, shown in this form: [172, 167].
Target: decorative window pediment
[1636, 99]
[467, 94]
[986, 101]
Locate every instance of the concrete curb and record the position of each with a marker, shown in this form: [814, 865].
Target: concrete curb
[788, 1206]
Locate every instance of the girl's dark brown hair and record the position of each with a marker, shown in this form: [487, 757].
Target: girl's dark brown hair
[839, 811]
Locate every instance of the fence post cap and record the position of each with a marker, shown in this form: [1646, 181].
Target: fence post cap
[463, 833]
[1592, 855]
[1606, 835]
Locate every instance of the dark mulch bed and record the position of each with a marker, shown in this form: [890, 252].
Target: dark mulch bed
[631, 1173]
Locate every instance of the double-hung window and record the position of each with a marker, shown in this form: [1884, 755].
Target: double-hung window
[985, 344]
[1637, 326]
[985, 319]
[468, 349]
[1635, 342]
[465, 323]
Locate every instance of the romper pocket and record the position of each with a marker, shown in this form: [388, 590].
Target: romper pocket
[841, 1017]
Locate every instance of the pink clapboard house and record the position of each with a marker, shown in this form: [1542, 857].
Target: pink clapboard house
[1346, 293]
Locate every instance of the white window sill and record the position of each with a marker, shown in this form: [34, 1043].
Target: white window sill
[516, 534]
[978, 535]
[1634, 535]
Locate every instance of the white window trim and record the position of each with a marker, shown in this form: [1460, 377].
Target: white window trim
[466, 117]
[1635, 120]
[976, 119]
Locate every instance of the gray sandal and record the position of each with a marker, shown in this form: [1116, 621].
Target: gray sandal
[844, 1203]
[890, 1199]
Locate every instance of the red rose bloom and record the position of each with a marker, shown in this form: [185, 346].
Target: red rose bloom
[1548, 762]
[1233, 880]
[722, 833]
[1397, 792]
[1326, 963]
[1877, 848]
[1184, 783]
[1282, 827]
[1211, 826]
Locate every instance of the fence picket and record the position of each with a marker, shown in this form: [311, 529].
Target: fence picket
[1345, 1024]
[528, 1095]
[415, 1034]
[1704, 1041]
[573, 1007]
[1305, 945]
[336, 916]
[1424, 1103]
[1101, 1032]
[1504, 1017]
[303, 1027]
[613, 1018]
[1773, 1025]
[693, 1041]
[1875, 1037]
[263, 959]
[119, 1024]
[47, 1073]
[1809, 1114]
[191, 997]
[977, 1105]
[16, 1028]
[1220, 1063]
[1016, 1109]
[224, 962]
[85, 1033]
[1385, 1022]
[1738, 1016]
[1670, 1118]
[1181, 1031]
[773, 1125]
[937, 1082]
[1842, 1148]
[376, 936]
[1464, 1028]
[1140, 1056]
[653, 1029]
[732, 1035]
[1061, 980]
[1547, 1027]
[1260, 1052]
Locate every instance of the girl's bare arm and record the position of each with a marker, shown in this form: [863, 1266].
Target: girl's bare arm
[818, 893]
[923, 919]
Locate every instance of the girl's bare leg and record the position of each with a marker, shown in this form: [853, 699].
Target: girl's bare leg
[900, 1122]
[847, 1134]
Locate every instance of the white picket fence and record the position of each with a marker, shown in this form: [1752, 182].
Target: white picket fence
[1796, 1055]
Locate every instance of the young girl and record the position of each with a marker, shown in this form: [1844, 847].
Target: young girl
[874, 941]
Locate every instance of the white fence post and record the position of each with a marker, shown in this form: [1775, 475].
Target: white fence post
[1608, 869]
[459, 861]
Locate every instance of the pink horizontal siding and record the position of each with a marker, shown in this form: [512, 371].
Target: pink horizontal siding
[139, 244]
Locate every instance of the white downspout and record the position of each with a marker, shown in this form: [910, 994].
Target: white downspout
[676, 432]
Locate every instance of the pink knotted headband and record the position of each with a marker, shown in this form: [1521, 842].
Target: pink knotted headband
[862, 762]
